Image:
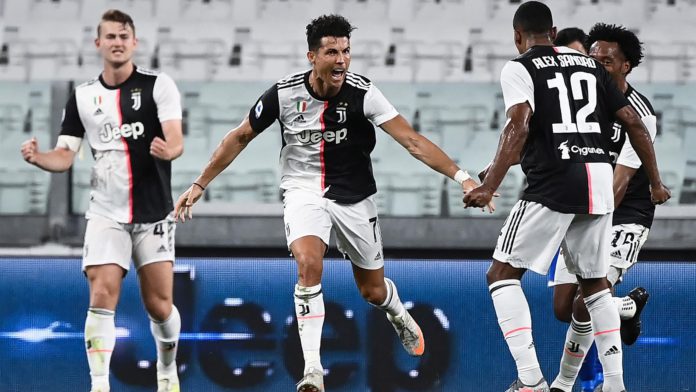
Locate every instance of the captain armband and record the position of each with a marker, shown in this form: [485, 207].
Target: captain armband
[71, 143]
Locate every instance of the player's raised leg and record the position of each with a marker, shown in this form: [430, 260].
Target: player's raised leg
[359, 238]
[381, 292]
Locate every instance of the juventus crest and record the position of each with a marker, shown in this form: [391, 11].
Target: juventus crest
[341, 111]
[135, 96]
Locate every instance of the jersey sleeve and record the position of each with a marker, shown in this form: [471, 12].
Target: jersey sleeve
[627, 156]
[71, 130]
[167, 98]
[265, 111]
[377, 108]
[517, 85]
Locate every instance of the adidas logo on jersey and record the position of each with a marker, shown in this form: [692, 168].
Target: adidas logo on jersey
[299, 119]
[311, 136]
[132, 130]
[613, 350]
[98, 112]
[161, 249]
[616, 253]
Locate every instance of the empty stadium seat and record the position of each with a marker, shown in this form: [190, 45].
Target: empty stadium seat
[23, 191]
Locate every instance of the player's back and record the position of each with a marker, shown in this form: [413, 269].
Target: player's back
[565, 158]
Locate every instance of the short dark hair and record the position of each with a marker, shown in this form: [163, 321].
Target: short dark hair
[569, 35]
[118, 17]
[533, 17]
[327, 26]
[628, 42]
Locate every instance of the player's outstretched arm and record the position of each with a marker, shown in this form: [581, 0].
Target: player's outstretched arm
[172, 146]
[229, 148]
[427, 152]
[57, 160]
[419, 146]
[642, 144]
[509, 151]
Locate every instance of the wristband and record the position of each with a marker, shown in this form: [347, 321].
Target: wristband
[461, 176]
[199, 185]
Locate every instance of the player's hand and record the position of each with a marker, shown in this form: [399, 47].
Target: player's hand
[184, 205]
[159, 149]
[659, 194]
[479, 197]
[471, 184]
[30, 150]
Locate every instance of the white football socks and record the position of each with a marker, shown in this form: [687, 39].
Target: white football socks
[578, 341]
[166, 334]
[309, 309]
[100, 338]
[392, 304]
[515, 321]
[606, 325]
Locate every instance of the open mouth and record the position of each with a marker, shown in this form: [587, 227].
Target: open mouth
[338, 73]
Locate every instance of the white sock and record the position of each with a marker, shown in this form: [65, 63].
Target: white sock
[166, 334]
[516, 323]
[606, 325]
[578, 341]
[392, 304]
[626, 306]
[100, 338]
[309, 309]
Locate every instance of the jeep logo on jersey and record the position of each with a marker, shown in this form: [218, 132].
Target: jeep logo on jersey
[311, 136]
[110, 132]
[135, 96]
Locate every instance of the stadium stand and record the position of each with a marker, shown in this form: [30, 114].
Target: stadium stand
[442, 77]
[438, 62]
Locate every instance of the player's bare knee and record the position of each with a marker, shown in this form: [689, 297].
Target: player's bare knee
[309, 264]
[502, 271]
[580, 312]
[374, 294]
[103, 295]
[159, 309]
[593, 285]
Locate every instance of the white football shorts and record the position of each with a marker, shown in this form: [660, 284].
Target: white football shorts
[356, 226]
[626, 242]
[110, 242]
[532, 234]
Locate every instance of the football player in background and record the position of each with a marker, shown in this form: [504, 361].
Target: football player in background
[131, 118]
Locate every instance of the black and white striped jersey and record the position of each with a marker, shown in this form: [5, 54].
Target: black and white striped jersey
[636, 206]
[574, 100]
[128, 184]
[326, 142]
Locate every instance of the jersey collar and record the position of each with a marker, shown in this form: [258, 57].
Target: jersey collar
[118, 86]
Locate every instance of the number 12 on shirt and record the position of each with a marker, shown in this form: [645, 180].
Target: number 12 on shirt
[581, 124]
